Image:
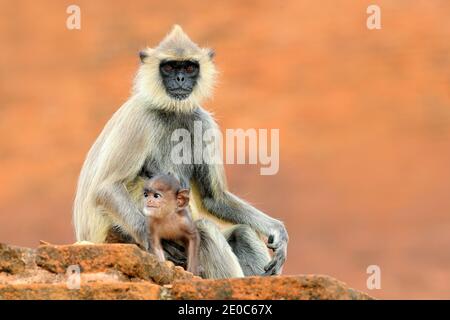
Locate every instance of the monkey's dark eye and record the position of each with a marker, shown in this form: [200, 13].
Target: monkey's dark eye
[157, 195]
[167, 68]
[190, 69]
[145, 194]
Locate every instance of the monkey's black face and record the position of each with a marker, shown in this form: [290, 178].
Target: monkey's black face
[179, 77]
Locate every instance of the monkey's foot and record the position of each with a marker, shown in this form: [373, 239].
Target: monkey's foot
[83, 243]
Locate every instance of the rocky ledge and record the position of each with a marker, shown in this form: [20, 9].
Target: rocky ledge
[123, 271]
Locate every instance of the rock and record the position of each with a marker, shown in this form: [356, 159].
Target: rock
[123, 271]
[12, 259]
[128, 259]
[91, 291]
[305, 287]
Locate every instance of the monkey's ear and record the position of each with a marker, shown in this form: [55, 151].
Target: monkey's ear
[182, 198]
[142, 55]
[211, 53]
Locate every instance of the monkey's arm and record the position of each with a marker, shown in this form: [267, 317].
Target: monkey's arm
[120, 160]
[225, 205]
[115, 198]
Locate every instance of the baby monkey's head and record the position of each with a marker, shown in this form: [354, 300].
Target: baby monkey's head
[163, 195]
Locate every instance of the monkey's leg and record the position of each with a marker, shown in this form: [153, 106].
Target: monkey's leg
[157, 248]
[249, 248]
[215, 254]
[193, 252]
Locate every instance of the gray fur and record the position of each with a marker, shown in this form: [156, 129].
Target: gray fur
[216, 257]
[248, 248]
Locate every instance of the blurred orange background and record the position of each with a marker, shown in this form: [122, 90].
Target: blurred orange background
[364, 119]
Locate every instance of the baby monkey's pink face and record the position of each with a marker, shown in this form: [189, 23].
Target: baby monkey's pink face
[162, 197]
[158, 201]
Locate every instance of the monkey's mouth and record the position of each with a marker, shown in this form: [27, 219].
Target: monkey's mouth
[179, 94]
[149, 211]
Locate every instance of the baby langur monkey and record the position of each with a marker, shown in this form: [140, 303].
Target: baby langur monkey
[166, 206]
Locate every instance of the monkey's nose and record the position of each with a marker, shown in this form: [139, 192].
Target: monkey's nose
[180, 79]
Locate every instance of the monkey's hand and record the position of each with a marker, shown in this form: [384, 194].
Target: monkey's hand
[277, 241]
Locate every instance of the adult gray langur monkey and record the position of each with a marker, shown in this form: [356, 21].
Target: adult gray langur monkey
[171, 83]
